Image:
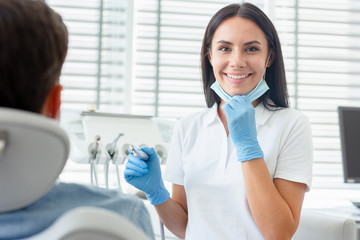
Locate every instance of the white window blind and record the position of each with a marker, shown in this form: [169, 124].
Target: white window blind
[93, 74]
[320, 40]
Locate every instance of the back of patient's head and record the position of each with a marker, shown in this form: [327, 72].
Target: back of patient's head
[33, 47]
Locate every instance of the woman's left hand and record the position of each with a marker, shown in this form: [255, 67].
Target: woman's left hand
[240, 117]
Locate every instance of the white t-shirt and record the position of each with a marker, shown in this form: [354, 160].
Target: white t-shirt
[203, 159]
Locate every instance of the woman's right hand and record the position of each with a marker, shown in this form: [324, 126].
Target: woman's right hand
[146, 176]
[240, 117]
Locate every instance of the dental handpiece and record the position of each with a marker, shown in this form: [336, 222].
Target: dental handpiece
[112, 148]
[94, 147]
[138, 153]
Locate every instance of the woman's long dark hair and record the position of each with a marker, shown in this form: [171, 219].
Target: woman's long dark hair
[277, 96]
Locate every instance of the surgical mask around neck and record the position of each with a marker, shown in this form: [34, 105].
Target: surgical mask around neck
[254, 94]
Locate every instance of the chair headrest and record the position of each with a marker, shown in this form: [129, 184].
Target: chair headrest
[33, 152]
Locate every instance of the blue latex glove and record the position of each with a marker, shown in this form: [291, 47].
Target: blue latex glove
[240, 117]
[146, 176]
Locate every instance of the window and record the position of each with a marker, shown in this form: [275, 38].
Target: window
[94, 72]
[321, 45]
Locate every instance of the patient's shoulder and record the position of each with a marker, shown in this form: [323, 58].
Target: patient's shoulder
[70, 195]
[89, 194]
[66, 196]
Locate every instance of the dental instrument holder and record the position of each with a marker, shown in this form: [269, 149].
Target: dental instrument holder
[113, 154]
[138, 130]
[114, 151]
[94, 154]
[94, 148]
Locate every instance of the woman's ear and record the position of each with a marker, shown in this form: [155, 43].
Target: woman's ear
[209, 57]
[51, 107]
[271, 59]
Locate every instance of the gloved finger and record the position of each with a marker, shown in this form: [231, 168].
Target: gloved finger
[238, 105]
[232, 104]
[243, 104]
[230, 109]
[226, 107]
[148, 150]
[238, 100]
[134, 167]
[128, 178]
[136, 161]
[133, 172]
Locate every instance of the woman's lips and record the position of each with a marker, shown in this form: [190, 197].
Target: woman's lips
[237, 78]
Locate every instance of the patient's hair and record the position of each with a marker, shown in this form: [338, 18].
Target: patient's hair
[33, 47]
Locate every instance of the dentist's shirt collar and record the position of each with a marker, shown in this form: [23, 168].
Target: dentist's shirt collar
[261, 114]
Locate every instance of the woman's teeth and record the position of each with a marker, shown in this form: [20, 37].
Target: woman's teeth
[237, 76]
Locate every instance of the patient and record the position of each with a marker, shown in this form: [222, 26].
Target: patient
[33, 47]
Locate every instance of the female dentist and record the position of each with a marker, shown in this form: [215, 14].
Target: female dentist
[241, 167]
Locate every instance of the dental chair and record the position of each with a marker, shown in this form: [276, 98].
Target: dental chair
[33, 152]
[319, 226]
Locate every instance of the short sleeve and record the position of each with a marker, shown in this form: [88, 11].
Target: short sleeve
[296, 154]
[174, 172]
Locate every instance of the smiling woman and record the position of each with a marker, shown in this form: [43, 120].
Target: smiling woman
[250, 185]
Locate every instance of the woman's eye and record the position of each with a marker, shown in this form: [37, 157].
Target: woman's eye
[251, 49]
[224, 49]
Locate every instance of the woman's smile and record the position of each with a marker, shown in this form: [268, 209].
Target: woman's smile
[237, 78]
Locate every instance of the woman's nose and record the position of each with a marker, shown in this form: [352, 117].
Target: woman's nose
[237, 60]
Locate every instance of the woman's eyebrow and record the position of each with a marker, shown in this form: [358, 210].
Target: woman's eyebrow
[246, 44]
[224, 42]
[252, 42]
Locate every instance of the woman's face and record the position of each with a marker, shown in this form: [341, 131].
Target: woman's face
[238, 55]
